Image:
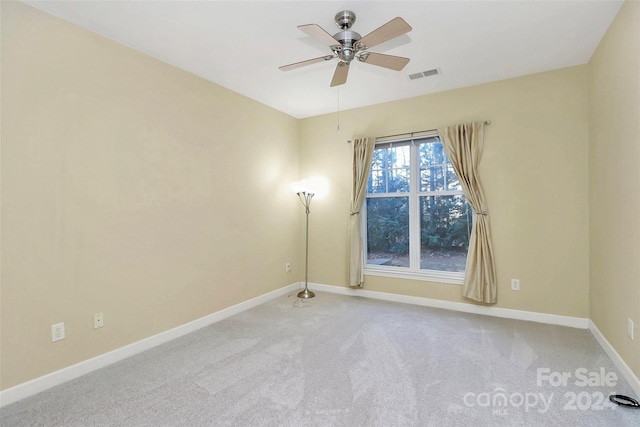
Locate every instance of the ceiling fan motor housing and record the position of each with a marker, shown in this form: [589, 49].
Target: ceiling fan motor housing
[347, 50]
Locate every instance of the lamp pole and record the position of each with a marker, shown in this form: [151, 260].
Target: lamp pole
[305, 198]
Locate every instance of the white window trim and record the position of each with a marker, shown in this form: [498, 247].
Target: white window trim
[447, 277]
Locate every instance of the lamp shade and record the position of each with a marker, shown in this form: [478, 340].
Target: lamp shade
[300, 186]
[316, 185]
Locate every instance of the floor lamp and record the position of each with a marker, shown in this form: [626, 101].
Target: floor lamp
[305, 197]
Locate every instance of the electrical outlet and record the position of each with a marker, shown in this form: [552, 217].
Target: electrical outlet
[98, 320]
[515, 284]
[630, 328]
[57, 332]
[287, 267]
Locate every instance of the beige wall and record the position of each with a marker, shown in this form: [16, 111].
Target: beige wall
[534, 172]
[132, 188]
[614, 174]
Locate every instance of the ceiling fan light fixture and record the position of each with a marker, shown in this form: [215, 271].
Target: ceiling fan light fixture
[346, 55]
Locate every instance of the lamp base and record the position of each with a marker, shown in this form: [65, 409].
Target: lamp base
[306, 294]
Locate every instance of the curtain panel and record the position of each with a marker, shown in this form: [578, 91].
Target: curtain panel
[463, 144]
[362, 156]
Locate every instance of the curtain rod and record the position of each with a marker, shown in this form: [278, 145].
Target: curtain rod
[411, 134]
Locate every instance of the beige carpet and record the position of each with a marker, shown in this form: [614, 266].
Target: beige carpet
[346, 361]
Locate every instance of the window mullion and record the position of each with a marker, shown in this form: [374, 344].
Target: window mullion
[414, 209]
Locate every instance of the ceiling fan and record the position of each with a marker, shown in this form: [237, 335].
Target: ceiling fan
[348, 45]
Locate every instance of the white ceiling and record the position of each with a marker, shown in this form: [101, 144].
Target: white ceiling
[241, 44]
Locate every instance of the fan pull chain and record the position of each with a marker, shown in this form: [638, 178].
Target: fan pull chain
[338, 129]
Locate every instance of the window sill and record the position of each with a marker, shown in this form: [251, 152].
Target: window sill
[447, 277]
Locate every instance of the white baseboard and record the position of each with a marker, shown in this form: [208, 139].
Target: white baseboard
[631, 378]
[553, 319]
[53, 379]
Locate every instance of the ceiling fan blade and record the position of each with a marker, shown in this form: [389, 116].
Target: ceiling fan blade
[340, 75]
[318, 33]
[394, 28]
[307, 62]
[387, 61]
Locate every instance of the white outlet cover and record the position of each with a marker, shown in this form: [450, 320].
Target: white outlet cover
[630, 328]
[98, 320]
[57, 332]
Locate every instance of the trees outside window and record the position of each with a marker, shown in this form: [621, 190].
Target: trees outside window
[417, 218]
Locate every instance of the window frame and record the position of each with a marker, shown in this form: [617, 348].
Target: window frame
[413, 272]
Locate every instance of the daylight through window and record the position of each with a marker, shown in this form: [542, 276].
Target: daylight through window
[417, 218]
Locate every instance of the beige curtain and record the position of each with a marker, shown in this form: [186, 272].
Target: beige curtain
[463, 144]
[362, 155]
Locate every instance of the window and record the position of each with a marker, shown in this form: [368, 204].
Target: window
[417, 219]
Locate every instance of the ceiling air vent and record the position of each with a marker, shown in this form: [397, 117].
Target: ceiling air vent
[423, 74]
